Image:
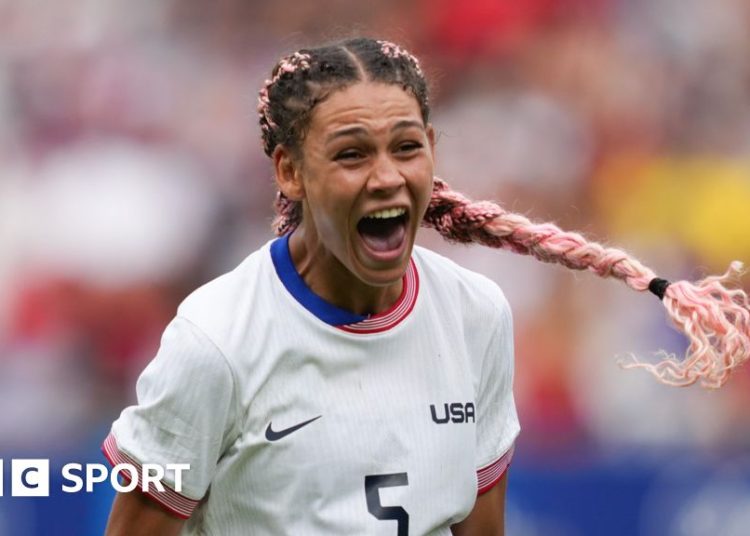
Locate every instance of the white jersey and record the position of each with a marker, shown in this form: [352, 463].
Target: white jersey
[300, 418]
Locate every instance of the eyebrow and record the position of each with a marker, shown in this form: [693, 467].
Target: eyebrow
[353, 131]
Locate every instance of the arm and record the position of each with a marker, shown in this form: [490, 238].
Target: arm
[185, 414]
[488, 516]
[497, 422]
[134, 514]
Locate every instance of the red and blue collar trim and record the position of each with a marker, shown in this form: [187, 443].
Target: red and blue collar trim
[333, 315]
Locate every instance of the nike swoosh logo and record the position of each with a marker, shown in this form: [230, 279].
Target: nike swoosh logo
[273, 435]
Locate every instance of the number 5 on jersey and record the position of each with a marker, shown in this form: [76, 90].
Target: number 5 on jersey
[373, 483]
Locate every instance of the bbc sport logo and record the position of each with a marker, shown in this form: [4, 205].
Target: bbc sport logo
[31, 477]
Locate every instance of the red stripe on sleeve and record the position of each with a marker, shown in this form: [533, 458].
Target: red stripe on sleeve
[174, 502]
[490, 474]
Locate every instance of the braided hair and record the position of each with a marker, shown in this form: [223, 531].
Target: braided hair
[714, 317]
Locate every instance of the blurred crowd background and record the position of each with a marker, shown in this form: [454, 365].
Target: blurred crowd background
[131, 172]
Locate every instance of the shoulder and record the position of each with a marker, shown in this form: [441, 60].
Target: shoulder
[475, 294]
[217, 306]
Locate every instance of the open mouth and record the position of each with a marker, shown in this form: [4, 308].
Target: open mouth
[384, 231]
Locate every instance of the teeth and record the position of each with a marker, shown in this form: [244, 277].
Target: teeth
[387, 213]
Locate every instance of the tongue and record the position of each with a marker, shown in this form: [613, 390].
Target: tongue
[383, 235]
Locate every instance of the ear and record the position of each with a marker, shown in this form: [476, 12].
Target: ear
[431, 138]
[288, 175]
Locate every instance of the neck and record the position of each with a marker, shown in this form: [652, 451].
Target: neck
[327, 277]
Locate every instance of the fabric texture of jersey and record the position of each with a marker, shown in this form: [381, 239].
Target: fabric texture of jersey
[292, 424]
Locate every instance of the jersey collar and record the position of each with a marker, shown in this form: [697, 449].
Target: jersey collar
[336, 316]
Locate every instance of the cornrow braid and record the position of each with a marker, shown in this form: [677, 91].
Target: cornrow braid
[393, 50]
[288, 215]
[715, 318]
[305, 78]
[286, 66]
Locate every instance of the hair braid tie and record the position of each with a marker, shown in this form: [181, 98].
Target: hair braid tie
[658, 287]
[714, 318]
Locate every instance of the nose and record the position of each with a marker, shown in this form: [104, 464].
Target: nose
[385, 176]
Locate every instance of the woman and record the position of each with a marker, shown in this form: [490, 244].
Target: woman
[342, 380]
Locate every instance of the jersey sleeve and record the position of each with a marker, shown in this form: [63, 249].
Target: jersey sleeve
[185, 414]
[497, 420]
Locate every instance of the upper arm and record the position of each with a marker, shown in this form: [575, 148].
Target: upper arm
[497, 420]
[487, 518]
[186, 414]
[134, 514]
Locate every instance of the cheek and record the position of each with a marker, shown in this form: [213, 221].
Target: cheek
[421, 181]
[330, 208]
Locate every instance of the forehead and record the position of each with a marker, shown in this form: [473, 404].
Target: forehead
[373, 105]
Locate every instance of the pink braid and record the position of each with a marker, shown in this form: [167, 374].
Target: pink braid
[715, 319]
[288, 215]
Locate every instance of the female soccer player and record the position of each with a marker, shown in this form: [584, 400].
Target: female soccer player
[342, 380]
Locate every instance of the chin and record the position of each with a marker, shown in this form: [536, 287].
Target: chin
[385, 276]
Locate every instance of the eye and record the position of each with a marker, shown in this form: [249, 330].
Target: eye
[349, 154]
[409, 147]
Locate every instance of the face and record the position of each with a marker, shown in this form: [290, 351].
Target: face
[365, 179]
